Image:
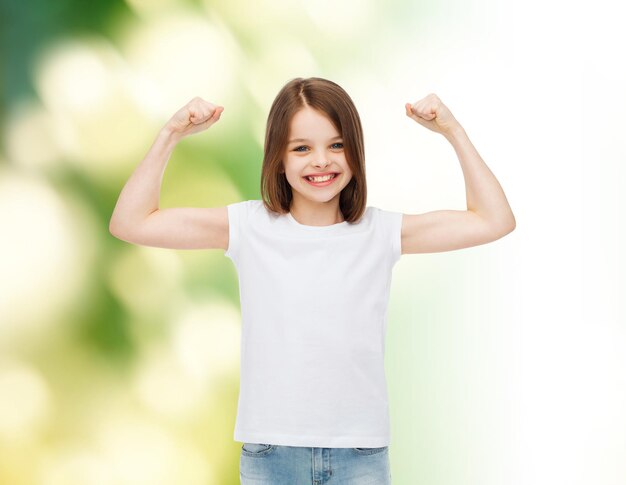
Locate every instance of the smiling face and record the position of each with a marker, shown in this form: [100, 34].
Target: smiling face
[314, 146]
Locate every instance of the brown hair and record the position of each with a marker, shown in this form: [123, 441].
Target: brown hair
[331, 100]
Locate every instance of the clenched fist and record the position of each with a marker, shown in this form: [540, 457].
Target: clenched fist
[197, 115]
[433, 114]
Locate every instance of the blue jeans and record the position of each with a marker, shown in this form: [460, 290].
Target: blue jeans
[265, 464]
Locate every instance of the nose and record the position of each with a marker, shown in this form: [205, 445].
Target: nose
[321, 163]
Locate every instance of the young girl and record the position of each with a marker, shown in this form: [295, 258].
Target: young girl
[314, 265]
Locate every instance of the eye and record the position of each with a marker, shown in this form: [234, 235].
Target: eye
[297, 149]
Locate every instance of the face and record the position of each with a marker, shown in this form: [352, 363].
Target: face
[315, 147]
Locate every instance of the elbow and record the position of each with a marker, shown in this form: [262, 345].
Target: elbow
[502, 229]
[511, 223]
[118, 225]
[118, 233]
[508, 228]
[115, 228]
[506, 224]
[113, 225]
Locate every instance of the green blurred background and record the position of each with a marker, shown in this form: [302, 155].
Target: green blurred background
[119, 363]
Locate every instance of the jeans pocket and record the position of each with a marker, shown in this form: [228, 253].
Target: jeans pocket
[256, 449]
[370, 451]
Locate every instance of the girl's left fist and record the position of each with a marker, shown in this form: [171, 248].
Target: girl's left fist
[433, 114]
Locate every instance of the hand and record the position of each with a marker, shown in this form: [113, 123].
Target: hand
[433, 114]
[197, 115]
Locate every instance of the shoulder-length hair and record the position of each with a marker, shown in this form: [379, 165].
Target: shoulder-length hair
[331, 100]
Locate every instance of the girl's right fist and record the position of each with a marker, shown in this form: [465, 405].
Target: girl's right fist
[197, 115]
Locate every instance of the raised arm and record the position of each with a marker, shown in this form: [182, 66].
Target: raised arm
[488, 216]
[137, 217]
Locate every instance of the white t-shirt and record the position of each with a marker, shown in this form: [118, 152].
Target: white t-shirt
[314, 317]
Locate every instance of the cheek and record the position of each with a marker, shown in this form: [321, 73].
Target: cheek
[293, 177]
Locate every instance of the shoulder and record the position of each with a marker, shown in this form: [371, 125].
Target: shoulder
[386, 216]
[247, 210]
[388, 224]
[246, 206]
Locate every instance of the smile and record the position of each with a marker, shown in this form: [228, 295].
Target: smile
[322, 181]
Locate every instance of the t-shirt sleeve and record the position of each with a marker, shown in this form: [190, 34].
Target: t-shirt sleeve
[237, 216]
[392, 227]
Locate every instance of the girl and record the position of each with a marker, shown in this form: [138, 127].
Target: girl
[314, 265]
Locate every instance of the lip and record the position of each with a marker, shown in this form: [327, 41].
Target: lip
[320, 174]
[321, 184]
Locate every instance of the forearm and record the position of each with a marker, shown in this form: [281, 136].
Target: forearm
[484, 195]
[140, 195]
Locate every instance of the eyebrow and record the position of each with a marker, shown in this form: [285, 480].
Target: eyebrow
[304, 139]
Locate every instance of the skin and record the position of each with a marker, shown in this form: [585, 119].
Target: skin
[137, 217]
[315, 206]
[488, 216]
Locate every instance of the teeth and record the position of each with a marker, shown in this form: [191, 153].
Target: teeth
[321, 179]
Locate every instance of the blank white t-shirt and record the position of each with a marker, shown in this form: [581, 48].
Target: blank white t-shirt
[314, 317]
